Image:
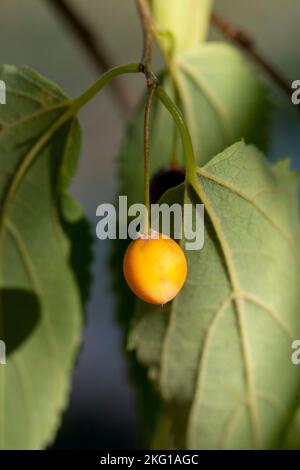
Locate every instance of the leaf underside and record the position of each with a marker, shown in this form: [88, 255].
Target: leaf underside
[39, 296]
[216, 351]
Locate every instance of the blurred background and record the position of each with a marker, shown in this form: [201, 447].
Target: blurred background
[101, 413]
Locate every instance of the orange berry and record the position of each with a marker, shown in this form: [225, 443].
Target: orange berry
[155, 268]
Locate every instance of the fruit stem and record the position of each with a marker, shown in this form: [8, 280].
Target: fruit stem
[190, 162]
[152, 84]
[151, 92]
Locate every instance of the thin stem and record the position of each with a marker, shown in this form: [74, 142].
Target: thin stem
[151, 92]
[152, 83]
[189, 155]
[174, 153]
[146, 19]
[94, 49]
[247, 43]
[104, 79]
[162, 96]
[168, 59]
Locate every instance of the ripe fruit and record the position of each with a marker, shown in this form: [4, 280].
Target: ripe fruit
[155, 268]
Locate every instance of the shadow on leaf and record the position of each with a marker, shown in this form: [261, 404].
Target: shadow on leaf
[81, 255]
[20, 312]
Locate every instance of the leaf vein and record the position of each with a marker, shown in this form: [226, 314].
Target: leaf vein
[239, 193]
[237, 295]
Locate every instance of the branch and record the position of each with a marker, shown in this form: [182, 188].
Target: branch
[96, 53]
[146, 20]
[146, 61]
[247, 44]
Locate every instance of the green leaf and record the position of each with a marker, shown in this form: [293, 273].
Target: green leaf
[186, 22]
[222, 102]
[218, 347]
[292, 438]
[222, 99]
[39, 148]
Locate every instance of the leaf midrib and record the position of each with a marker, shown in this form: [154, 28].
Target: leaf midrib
[214, 102]
[237, 296]
[238, 299]
[30, 117]
[30, 270]
[28, 160]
